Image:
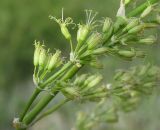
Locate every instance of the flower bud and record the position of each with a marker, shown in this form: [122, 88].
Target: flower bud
[107, 25]
[146, 11]
[70, 92]
[127, 54]
[131, 24]
[54, 60]
[93, 83]
[107, 35]
[94, 40]
[82, 33]
[149, 41]
[136, 29]
[100, 51]
[96, 64]
[80, 79]
[88, 80]
[65, 31]
[42, 57]
[36, 53]
[96, 96]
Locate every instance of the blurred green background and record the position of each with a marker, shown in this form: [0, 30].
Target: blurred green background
[22, 22]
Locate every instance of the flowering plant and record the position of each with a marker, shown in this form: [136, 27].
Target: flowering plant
[122, 38]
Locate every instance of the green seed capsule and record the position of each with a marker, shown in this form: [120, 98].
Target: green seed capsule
[88, 80]
[54, 60]
[94, 40]
[42, 57]
[107, 25]
[80, 79]
[70, 92]
[127, 54]
[136, 29]
[146, 11]
[107, 35]
[131, 24]
[37, 53]
[100, 51]
[82, 33]
[149, 41]
[96, 64]
[93, 83]
[65, 31]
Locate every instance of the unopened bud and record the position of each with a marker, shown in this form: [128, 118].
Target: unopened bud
[65, 31]
[96, 64]
[131, 24]
[100, 51]
[149, 41]
[93, 83]
[42, 57]
[70, 92]
[94, 40]
[82, 33]
[127, 54]
[80, 79]
[37, 53]
[146, 11]
[136, 29]
[54, 60]
[107, 25]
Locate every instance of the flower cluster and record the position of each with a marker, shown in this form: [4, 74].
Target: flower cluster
[84, 87]
[124, 94]
[120, 38]
[44, 62]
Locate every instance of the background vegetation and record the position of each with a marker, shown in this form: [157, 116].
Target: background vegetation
[23, 21]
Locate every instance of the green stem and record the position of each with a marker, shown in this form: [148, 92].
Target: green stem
[37, 91]
[35, 94]
[66, 66]
[141, 8]
[47, 98]
[51, 110]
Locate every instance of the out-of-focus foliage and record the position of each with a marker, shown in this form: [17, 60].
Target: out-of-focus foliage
[23, 21]
[124, 95]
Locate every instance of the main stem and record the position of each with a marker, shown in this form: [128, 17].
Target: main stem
[37, 91]
[47, 98]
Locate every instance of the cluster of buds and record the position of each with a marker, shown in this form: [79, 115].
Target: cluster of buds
[44, 62]
[123, 94]
[84, 88]
[120, 35]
